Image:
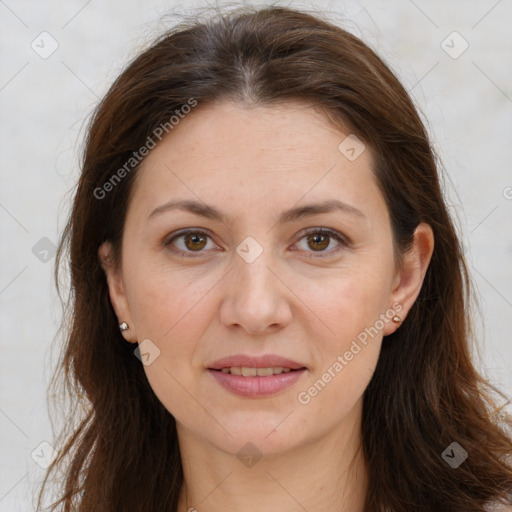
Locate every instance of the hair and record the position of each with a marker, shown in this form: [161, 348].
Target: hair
[121, 451]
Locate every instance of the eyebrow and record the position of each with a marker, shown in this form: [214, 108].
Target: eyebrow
[290, 215]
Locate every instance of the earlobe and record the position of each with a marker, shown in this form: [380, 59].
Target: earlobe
[414, 266]
[117, 292]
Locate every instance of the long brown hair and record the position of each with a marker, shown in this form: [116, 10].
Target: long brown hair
[120, 449]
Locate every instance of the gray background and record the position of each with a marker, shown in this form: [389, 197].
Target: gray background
[466, 98]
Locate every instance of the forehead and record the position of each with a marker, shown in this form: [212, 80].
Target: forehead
[256, 155]
[231, 131]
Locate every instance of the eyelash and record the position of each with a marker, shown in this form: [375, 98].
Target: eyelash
[320, 254]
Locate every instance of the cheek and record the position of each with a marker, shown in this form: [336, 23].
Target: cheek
[173, 311]
[348, 338]
[349, 302]
[347, 353]
[170, 305]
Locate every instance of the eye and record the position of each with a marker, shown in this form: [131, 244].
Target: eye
[188, 242]
[193, 242]
[319, 239]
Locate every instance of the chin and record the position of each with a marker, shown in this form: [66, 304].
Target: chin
[258, 432]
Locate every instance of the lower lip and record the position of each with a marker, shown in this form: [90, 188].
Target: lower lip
[257, 386]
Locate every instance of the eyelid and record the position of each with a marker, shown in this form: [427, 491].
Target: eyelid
[167, 242]
[343, 241]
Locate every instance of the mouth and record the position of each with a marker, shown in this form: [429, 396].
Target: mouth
[245, 371]
[247, 365]
[254, 377]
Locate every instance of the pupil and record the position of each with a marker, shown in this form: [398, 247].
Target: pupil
[317, 239]
[194, 239]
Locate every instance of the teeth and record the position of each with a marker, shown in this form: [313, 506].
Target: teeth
[249, 372]
[263, 372]
[253, 372]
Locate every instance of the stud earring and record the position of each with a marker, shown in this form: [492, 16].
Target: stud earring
[396, 319]
[123, 327]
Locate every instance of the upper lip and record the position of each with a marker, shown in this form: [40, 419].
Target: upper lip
[265, 361]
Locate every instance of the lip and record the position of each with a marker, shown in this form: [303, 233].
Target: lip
[256, 386]
[265, 361]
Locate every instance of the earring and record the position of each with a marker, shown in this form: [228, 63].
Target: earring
[396, 319]
[123, 327]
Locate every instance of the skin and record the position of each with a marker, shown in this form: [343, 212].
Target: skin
[252, 164]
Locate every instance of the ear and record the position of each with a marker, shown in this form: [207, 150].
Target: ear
[116, 290]
[411, 274]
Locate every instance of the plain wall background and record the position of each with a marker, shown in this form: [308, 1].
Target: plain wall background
[467, 101]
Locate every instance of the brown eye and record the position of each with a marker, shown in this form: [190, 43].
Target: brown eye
[318, 241]
[322, 243]
[195, 241]
[190, 243]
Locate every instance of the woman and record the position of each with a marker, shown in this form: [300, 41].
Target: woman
[270, 306]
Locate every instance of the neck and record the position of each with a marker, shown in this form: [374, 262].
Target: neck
[324, 475]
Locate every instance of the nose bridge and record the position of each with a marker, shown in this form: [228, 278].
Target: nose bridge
[252, 274]
[255, 298]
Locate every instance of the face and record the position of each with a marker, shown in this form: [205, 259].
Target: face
[279, 262]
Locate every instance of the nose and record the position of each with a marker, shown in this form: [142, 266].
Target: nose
[256, 298]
